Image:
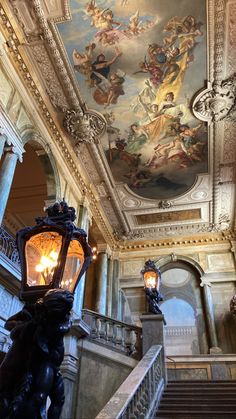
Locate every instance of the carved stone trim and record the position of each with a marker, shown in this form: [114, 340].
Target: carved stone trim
[59, 63]
[84, 127]
[53, 87]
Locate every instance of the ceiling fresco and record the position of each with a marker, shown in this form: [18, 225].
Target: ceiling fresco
[139, 63]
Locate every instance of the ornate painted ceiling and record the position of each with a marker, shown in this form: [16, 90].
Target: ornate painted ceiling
[144, 92]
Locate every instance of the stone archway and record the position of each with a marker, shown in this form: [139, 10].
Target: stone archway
[193, 292]
[35, 183]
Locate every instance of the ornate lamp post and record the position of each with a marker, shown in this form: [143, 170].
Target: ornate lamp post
[152, 280]
[54, 255]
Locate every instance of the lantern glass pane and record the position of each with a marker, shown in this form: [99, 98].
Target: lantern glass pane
[42, 252]
[73, 266]
[150, 279]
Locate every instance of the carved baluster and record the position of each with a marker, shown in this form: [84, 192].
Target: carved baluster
[129, 340]
[137, 345]
[110, 331]
[94, 327]
[102, 328]
[131, 409]
[118, 335]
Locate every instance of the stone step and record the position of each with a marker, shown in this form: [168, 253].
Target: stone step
[198, 398]
[197, 406]
[184, 414]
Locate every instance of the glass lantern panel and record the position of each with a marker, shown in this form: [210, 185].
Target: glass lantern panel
[150, 279]
[73, 266]
[42, 252]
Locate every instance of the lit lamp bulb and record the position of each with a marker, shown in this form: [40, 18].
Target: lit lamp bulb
[150, 279]
[47, 265]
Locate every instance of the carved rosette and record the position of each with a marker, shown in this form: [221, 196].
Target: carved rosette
[216, 103]
[84, 127]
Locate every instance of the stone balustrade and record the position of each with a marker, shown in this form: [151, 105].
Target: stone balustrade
[139, 395]
[123, 337]
[180, 330]
[8, 247]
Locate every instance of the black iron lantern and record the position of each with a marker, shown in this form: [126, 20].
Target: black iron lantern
[152, 279]
[54, 253]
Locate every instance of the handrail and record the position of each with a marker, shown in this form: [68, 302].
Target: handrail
[8, 247]
[120, 336]
[139, 395]
[90, 312]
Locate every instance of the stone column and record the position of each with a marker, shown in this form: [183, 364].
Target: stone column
[109, 287]
[115, 289]
[2, 142]
[6, 177]
[213, 342]
[83, 222]
[101, 278]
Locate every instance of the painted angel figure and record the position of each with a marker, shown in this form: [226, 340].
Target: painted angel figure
[83, 62]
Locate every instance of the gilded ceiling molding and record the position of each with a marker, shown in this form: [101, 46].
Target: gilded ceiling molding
[13, 44]
[217, 238]
[84, 127]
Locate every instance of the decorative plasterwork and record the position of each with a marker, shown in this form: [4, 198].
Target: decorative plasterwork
[13, 45]
[49, 77]
[116, 200]
[218, 102]
[84, 127]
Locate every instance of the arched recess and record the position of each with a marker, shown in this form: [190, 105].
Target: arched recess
[35, 184]
[44, 153]
[183, 292]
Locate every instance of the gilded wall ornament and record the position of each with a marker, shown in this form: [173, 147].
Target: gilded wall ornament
[84, 127]
[218, 103]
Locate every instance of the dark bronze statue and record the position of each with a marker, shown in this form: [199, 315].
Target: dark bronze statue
[30, 371]
[153, 297]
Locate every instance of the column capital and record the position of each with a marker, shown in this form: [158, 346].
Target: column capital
[14, 150]
[11, 135]
[104, 248]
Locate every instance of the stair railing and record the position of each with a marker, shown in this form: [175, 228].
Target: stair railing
[115, 334]
[139, 395]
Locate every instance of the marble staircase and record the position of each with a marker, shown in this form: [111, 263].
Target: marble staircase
[205, 399]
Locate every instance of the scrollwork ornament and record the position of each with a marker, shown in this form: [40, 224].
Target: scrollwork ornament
[121, 235]
[84, 127]
[217, 103]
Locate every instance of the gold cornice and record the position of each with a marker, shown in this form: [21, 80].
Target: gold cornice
[177, 242]
[13, 43]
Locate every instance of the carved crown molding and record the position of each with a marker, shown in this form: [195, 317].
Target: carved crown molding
[217, 103]
[84, 127]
